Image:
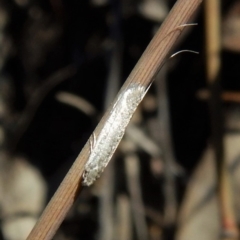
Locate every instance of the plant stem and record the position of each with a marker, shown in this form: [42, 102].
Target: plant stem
[147, 67]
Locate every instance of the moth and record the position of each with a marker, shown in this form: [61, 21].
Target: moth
[103, 147]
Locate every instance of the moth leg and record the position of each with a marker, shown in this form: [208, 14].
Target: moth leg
[92, 141]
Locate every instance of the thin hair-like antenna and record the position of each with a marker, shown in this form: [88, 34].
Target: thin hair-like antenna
[187, 25]
[181, 27]
[173, 55]
[182, 51]
[178, 28]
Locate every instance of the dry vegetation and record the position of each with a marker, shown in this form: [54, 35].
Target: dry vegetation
[175, 174]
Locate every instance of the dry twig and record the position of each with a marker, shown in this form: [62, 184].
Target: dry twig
[124, 222]
[213, 50]
[132, 167]
[170, 201]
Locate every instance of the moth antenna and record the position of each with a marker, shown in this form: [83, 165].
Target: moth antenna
[178, 28]
[188, 25]
[182, 51]
[181, 27]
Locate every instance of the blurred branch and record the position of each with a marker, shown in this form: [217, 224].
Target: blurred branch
[213, 39]
[143, 74]
[225, 96]
[170, 201]
[132, 166]
[106, 205]
[213, 54]
[77, 102]
[124, 221]
[140, 138]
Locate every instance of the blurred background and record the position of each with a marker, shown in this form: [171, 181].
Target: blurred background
[176, 173]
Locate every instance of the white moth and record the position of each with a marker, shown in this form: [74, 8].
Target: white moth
[108, 139]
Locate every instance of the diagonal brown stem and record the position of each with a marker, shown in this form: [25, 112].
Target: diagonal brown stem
[143, 73]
